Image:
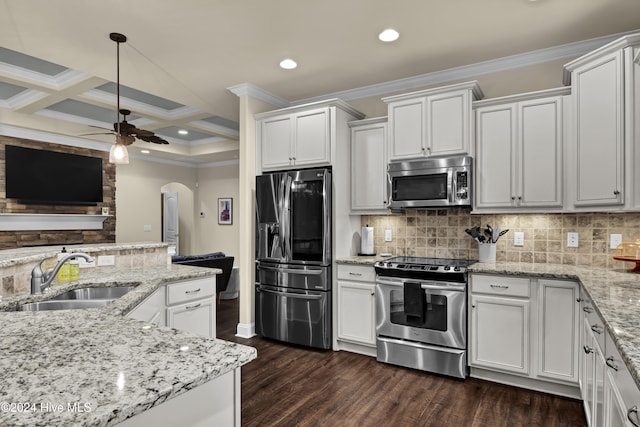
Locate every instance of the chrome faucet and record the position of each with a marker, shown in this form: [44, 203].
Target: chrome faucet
[41, 281]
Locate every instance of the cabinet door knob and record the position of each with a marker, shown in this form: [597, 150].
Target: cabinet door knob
[587, 349]
[587, 310]
[513, 197]
[519, 197]
[579, 300]
[616, 192]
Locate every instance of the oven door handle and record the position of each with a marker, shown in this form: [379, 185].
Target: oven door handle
[442, 288]
[289, 294]
[291, 270]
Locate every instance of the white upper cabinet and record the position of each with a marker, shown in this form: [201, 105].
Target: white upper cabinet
[434, 122]
[298, 136]
[598, 107]
[368, 165]
[606, 144]
[519, 152]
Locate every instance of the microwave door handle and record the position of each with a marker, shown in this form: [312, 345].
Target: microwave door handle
[453, 187]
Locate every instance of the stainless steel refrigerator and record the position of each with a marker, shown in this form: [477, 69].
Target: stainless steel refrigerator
[293, 257]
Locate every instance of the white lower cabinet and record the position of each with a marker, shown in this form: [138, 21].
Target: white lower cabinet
[524, 331]
[152, 309]
[356, 308]
[558, 330]
[610, 395]
[198, 317]
[188, 305]
[500, 333]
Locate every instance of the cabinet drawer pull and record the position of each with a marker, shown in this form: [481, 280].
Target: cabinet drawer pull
[500, 286]
[610, 363]
[192, 307]
[195, 291]
[351, 273]
[587, 349]
[633, 411]
[587, 310]
[597, 329]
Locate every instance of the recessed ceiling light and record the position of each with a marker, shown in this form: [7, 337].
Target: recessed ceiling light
[145, 151]
[288, 64]
[389, 35]
[183, 132]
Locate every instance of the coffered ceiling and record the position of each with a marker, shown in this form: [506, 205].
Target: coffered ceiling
[58, 65]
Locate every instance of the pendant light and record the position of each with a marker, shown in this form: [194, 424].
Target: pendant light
[118, 154]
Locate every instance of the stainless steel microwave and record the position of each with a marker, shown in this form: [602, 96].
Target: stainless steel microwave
[430, 183]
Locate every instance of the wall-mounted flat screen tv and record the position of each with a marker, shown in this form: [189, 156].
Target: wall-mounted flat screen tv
[52, 178]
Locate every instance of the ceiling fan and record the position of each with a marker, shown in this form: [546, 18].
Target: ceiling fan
[126, 133]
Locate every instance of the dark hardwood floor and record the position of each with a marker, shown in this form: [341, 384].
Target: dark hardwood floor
[296, 386]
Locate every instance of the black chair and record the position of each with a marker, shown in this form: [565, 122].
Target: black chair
[216, 260]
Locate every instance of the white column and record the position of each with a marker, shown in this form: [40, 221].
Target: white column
[245, 214]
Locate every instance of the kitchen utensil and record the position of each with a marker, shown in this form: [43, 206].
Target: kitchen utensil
[495, 234]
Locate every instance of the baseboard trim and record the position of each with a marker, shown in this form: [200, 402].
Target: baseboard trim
[246, 330]
[565, 390]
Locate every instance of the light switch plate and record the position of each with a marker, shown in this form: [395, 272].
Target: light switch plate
[388, 235]
[615, 240]
[146, 228]
[518, 238]
[572, 240]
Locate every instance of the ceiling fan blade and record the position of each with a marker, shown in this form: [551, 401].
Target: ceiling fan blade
[100, 127]
[152, 138]
[97, 133]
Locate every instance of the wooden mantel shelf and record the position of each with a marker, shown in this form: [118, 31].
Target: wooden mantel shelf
[22, 222]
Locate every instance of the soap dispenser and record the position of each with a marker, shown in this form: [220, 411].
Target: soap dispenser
[64, 273]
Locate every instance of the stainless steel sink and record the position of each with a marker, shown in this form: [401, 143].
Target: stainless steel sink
[99, 293]
[62, 305]
[79, 298]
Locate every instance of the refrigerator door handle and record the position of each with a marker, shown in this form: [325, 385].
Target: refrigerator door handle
[286, 219]
[292, 270]
[289, 294]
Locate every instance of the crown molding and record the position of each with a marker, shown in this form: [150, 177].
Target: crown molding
[471, 71]
[248, 89]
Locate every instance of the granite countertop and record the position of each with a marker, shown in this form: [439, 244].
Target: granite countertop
[26, 255]
[361, 259]
[108, 365]
[615, 294]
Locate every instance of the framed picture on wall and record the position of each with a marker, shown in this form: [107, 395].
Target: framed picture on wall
[225, 210]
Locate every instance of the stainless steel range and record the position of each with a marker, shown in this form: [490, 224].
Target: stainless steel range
[421, 314]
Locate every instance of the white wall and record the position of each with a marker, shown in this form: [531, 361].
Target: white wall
[139, 199]
[214, 183]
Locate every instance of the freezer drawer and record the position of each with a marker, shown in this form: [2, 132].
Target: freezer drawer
[293, 315]
[307, 277]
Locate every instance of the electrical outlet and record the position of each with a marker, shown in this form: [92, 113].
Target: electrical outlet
[104, 260]
[388, 235]
[518, 238]
[615, 240]
[572, 240]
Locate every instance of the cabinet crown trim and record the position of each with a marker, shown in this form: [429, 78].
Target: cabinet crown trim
[559, 91]
[618, 44]
[370, 121]
[334, 102]
[472, 85]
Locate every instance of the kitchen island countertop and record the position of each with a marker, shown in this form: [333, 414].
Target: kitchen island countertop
[96, 367]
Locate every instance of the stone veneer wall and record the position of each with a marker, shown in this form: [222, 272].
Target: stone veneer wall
[17, 239]
[16, 279]
[440, 233]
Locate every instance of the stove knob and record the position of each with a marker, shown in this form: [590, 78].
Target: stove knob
[457, 268]
[446, 268]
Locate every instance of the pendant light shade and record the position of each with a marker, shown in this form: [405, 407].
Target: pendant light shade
[119, 154]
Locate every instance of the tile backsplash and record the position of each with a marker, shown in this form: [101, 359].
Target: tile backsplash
[440, 233]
